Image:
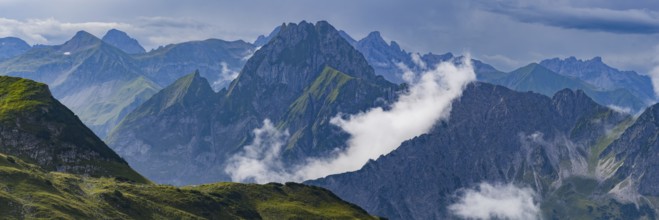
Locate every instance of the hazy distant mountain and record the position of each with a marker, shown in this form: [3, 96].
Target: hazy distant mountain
[607, 86]
[217, 60]
[99, 82]
[385, 59]
[597, 73]
[299, 80]
[121, 40]
[52, 166]
[11, 47]
[498, 136]
[537, 78]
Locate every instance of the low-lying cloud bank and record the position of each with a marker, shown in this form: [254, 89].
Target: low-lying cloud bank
[496, 202]
[373, 133]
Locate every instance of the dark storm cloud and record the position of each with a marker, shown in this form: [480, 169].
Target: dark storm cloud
[626, 21]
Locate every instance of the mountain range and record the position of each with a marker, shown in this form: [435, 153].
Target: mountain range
[104, 80]
[299, 80]
[576, 135]
[52, 166]
[557, 146]
[131, 75]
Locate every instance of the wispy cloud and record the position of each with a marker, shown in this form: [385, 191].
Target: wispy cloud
[373, 133]
[52, 31]
[503, 201]
[260, 161]
[552, 13]
[151, 32]
[226, 76]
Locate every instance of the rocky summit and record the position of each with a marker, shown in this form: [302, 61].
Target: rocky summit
[551, 145]
[121, 40]
[299, 80]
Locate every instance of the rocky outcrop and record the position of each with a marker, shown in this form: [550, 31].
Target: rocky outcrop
[493, 135]
[302, 78]
[37, 128]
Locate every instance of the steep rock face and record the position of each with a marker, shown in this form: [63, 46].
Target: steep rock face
[302, 78]
[263, 40]
[36, 127]
[122, 41]
[281, 69]
[97, 81]
[384, 57]
[635, 154]
[597, 73]
[170, 133]
[216, 60]
[12, 47]
[544, 143]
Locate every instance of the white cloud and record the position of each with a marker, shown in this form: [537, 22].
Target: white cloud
[375, 132]
[151, 32]
[226, 76]
[52, 31]
[259, 162]
[497, 201]
[620, 109]
[416, 58]
[654, 75]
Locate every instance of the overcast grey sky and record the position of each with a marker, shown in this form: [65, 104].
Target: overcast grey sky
[505, 33]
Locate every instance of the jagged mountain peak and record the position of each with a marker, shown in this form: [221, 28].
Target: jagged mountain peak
[374, 35]
[187, 90]
[573, 100]
[298, 54]
[80, 41]
[374, 38]
[192, 81]
[597, 73]
[571, 60]
[121, 40]
[262, 40]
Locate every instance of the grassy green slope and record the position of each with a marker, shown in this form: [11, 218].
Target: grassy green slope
[37, 128]
[128, 96]
[19, 96]
[27, 191]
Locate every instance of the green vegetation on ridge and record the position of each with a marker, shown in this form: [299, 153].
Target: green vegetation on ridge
[29, 192]
[39, 129]
[20, 95]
